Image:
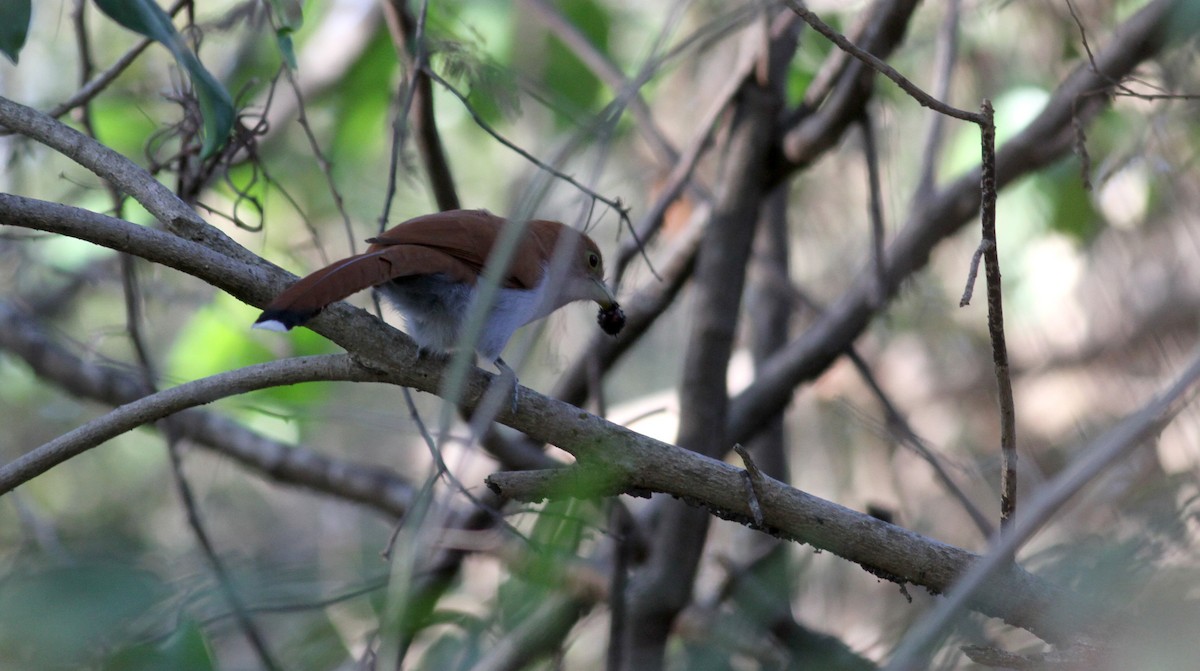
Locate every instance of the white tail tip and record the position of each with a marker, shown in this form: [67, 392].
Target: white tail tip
[271, 325]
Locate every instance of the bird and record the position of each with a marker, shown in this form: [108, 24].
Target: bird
[429, 268]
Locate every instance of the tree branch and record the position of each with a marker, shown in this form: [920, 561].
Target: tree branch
[151, 408]
[124, 174]
[373, 486]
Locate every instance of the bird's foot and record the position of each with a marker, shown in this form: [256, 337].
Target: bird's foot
[507, 380]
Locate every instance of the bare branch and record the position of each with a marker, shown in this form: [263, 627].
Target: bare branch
[879, 66]
[972, 274]
[944, 60]
[991, 258]
[663, 586]
[875, 206]
[616, 205]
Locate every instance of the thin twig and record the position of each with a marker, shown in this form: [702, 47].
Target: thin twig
[895, 420]
[408, 38]
[616, 204]
[606, 71]
[435, 453]
[323, 163]
[991, 259]
[898, 424]
[972, 273]
[875, 209]
[1119, 87]
[682, 174]
[879, 66]
[224, 578]
[945, 57]
[753, 478]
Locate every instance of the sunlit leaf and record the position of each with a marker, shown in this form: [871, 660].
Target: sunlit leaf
[218, 338]
[14, 26]
[147, 18]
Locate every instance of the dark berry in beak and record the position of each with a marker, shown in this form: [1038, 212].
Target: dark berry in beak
[611, 319]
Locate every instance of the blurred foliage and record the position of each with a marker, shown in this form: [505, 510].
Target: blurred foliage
[566, 75]
[14, 27]
[91, 606]
[185, 649]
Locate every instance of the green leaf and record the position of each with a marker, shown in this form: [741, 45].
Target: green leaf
[146, 18]
[564, 73]
[289, 16]
[215, 105]
[1071, 210]
[286, 48]
[14, 26]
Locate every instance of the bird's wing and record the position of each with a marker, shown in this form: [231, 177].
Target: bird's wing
[311, 294]
[470, 235]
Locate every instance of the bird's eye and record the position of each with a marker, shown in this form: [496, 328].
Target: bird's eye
[593, 260]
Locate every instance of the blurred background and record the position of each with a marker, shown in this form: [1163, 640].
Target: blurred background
[99, 567]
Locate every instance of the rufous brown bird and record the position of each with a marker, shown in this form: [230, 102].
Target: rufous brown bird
[429, 269]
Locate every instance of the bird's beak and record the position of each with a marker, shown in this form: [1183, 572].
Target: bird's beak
[603, 295]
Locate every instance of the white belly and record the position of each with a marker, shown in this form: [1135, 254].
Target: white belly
[435, 310]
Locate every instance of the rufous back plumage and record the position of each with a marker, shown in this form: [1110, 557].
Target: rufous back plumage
[456, 243]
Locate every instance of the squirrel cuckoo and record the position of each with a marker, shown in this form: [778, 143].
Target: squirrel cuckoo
[429, 269]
